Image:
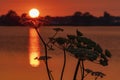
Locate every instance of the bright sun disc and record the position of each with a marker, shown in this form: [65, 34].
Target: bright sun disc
[34, 13]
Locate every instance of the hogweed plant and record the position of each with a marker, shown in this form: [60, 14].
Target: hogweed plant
[83, 49]
[60, 43]
[79, 46]
[96, 74]
[34, 23]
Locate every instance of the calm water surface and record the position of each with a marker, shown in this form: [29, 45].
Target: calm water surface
[19, 46]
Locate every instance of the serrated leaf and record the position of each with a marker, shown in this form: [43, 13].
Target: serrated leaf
[79, 33]
[88, 70]
[103, 62]
[42, 57]
[92, 56]
[104, 57]
[107, 53]
[60, 40]
[71, 37]
[98, 48]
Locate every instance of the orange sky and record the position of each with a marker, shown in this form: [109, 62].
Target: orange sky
[62, 7]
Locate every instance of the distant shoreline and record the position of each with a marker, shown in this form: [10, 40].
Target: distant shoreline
[64, 26]
[77, 19]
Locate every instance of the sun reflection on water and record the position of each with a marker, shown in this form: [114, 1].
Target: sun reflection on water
[34, 48]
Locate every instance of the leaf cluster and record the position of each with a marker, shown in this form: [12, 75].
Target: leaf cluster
[95, 73]
[82, 47]
[87, 49]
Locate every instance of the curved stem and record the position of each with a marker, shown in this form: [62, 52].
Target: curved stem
[63, 68]
[76, 70]
[83, 70]
[96, 78]
[86, 75]
[46, 60]
[52, 37]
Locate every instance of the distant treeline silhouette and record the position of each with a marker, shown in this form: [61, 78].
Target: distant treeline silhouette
[77, 19]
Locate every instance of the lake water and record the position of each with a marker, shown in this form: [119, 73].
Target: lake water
[20, 45]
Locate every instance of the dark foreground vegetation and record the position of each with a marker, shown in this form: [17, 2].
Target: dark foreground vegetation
[78, 46]
[77, 19]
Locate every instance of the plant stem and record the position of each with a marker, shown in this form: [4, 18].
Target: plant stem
[76, 70]
[46, 60]
[82, 70]
[63, 68]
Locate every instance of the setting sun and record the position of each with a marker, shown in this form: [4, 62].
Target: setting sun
[34, 13]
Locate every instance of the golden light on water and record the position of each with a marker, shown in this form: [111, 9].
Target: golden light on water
[34, 48]
[34, 62]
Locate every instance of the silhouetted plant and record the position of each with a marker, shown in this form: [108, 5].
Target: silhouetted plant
[34, 23]
[83, 49]
[98, 74]
[46, 53]
[44, 59]
[94, 73]
[46, 46]
[79, 46]
[60, 42]
[88, 71]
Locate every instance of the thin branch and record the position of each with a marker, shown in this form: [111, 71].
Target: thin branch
[46, 60]
[63, 69]
[83, 70]
[76, 70]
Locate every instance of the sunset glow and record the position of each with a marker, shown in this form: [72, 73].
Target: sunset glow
[34, 13]
[68, 7]
[34, 48]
